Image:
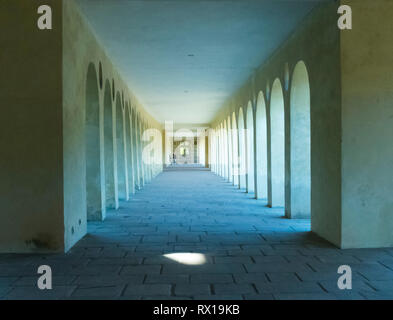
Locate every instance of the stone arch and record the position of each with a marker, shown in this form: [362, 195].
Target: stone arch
[120, 151]
[217, 145]
[211, 156]
[300, 146]
[216, 150]
[108, 148]
[219, 130]
[261, 148]
[129, 150]
[220, 149]
[144, 160]
[242, 151]
[139, 156]
[230, 150]
[113, 89]
[286, 76]
[142, 147]
[267, 90]
[153, 152]
[235, 147]
[211, 144]
[250, 148]
[92, 146]
[135, 148]
[225, 149]
[100, 75]
[277, 136]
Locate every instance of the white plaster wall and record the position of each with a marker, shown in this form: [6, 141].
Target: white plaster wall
[31, 178]
[299, 205]
[316, 41]
[367, 122]
[81, 47]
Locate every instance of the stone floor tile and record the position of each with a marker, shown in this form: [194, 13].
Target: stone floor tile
[211, 278]
[141, 269]
[291, 287]
[99, 291]
[148, 290]
[108, 280]
[7, 281]
[233, 259]
[232, 288]
[251, 252]
[219, 297]
[305, 296]
[192, 289]
[33, 293]
[167, 278]
[63, 280]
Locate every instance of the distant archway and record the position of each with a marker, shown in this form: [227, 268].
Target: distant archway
[139, 148]
[92, 146]
[261, 147]
[277, 146]
[121, 159]
[221, 139]
[235, 150]
[128, 144]
[250, 149]
[108, 148]
[242, 151]
[135, 148]
[300, 164]
[215, 140]
[143, 144]
[218, 150]
[212, 149]
[230, 150]
[225, 149]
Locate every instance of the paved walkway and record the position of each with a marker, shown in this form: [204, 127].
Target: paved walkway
[244, 250]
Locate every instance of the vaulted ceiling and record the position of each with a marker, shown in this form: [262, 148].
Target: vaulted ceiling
[183, 58]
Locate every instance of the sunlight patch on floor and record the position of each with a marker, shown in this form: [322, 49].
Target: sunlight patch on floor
[187, 258]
